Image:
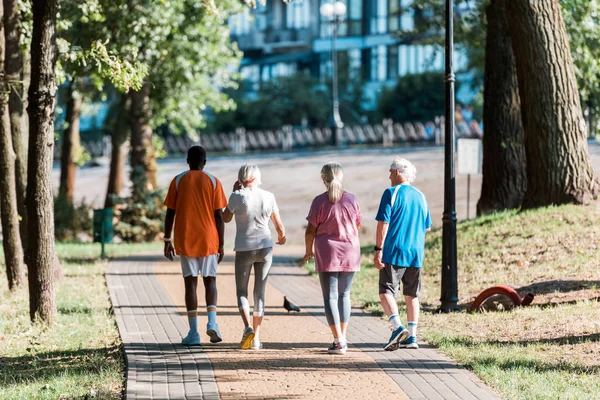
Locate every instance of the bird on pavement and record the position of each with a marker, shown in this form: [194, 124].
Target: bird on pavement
[289, 306]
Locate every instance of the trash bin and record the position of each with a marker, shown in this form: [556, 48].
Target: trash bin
[103, 227]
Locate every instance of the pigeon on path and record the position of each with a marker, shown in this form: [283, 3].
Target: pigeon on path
[289, 306]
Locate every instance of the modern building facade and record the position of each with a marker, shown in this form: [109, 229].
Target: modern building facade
[280, 39]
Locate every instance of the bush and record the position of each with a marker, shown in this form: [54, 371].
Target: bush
[417, 97]
[141, 216]
[72, 222]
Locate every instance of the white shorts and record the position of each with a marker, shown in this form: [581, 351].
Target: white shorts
[205, 266]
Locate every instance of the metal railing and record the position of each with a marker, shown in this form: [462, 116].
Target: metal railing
[386, 134]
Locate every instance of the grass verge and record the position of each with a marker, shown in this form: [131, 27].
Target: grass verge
[80, 356]
[550, 350]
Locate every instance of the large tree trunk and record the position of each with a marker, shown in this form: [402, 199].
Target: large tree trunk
[71, 142]
[14, 69]
[121, 128]
[504, 173]
[40, 209]
[143, 161]
[11, 241]
[558, 164]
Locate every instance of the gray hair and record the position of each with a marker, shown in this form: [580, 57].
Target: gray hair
[332, 173]
[250, 173]
[405, 168]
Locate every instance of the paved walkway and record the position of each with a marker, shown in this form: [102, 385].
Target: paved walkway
[147, 295]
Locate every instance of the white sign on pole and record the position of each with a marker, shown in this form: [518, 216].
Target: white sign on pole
[470, 156]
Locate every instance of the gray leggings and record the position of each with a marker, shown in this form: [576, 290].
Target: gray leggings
[336, 295]
[244, 260]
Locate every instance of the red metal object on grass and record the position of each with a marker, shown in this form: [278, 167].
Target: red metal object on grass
[504, 291]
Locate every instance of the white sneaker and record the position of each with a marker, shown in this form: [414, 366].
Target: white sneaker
[256, 344]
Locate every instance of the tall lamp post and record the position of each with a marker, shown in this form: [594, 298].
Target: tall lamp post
[449, 296]
[335, 13]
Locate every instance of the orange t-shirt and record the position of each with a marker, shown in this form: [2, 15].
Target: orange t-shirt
[195, 195]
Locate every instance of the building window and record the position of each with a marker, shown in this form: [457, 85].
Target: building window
[374, 58]
[351, 24]
[394, 13]
[250, 73]
[392, 62]
[379, 16]
[297, 14]
[355, 64]
[407, 22]
[240, 24]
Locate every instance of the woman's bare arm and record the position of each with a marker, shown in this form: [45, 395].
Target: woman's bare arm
[279, 228]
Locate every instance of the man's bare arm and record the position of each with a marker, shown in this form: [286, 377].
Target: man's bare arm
[382, 228]
[221, 230]
[169, 250]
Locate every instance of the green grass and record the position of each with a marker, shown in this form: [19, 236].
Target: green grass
[80, 355]
[550, 350]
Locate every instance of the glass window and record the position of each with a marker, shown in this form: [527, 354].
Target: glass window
[392, 60]
[297, 14]
[393, 15]
[373, 70]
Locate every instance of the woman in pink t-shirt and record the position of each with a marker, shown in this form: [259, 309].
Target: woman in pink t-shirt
[333, 224]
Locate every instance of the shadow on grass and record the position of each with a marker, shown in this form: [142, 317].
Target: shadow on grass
[80, 260]
[51, 364]
[518, 364]
[558, 286]
[75, 310]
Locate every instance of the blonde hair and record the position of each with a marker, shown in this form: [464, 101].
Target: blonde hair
[405, 168]
[332, 174]
[250, 173]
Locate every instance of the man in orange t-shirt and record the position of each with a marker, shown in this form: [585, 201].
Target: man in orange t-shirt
[195, 202]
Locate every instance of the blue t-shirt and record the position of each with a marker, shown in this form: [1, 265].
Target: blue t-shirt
[405, 211]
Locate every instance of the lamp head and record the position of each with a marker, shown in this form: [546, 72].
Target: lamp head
[339, 9]
[327, 10]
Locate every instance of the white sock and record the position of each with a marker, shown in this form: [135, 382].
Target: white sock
[412, 329]
[395, 321]
[193, 320]
[212, 314]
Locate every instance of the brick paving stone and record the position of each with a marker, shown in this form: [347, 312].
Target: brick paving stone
[151, 330]
[422, 373]
[147, 295]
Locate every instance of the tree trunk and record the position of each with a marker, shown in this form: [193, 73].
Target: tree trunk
[504, 164]
[71, 142]
[143, 161]
[26, 79]
[11, 241]
[40, 210]
[119, 152]
[558, 164]
[14, 68]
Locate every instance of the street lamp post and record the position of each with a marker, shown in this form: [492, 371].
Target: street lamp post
[335, 12]
[449, 296]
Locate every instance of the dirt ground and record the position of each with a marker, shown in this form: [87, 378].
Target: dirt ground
[295, 180]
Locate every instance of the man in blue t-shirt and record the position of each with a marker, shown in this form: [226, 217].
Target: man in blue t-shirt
[402, 220]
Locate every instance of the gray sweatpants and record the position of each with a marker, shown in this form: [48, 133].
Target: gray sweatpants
[244, 261]
[336, 295]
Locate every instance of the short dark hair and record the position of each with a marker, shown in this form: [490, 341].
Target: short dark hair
[196, 155]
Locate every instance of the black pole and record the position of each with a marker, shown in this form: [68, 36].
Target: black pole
[449, 297]
[336, 123]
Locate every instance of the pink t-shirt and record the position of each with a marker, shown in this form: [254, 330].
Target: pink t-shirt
[337, 248]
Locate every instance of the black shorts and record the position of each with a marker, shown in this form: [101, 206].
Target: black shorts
[390, 277]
